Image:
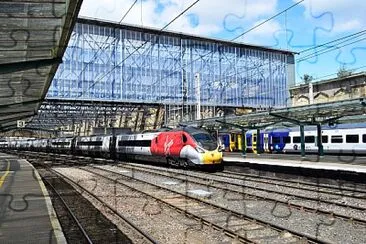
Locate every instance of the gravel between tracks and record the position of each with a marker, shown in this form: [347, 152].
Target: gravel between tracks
[283, 193]
[325, 227]
[161, 222]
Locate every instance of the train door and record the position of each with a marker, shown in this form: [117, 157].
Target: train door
[254, 142]
[112, 147]
[225, 139]
[232, 142]
[266, 142]
[248, 141]
[239, 140]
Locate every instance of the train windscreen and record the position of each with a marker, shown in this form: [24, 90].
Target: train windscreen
[205, 141]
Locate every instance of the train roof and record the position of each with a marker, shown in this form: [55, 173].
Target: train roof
[324, 127]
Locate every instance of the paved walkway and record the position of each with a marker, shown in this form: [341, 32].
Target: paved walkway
[26, 212]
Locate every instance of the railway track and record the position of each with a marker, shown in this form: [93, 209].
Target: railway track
[234, 223]
[191, 232]
[232, 187]
[87, 224]
[74, 230]
[269, 184]
[339, 189]
[225, 181]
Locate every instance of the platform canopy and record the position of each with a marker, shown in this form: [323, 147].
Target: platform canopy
[347, 111]
[33, 38]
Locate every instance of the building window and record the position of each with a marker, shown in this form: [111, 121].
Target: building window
[337, 139]
[352, 139]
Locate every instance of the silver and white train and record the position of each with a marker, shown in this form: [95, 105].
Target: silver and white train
[335, 141]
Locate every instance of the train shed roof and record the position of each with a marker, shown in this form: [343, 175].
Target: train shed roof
[33, 39]
[347, 111]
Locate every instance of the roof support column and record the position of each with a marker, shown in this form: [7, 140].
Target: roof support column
[302, 138]
[319, 140]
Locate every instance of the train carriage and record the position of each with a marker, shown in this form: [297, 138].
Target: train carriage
[187, 147]
[92, 146]
[61, 145]
[345, 139]
[335, 141]
[184, 147]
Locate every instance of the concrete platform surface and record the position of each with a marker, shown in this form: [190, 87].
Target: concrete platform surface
[26, 212]
[318, 165]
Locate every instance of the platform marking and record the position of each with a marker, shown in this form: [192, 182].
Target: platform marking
[2, 179]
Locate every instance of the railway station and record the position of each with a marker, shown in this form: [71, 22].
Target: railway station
[118, 132]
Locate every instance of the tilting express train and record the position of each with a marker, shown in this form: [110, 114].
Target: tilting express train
[186, 147]
[340, 139]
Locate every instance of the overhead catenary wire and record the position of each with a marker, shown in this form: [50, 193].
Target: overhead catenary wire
[128, 11]
[338, 39]
[267, 20]
[327, 50]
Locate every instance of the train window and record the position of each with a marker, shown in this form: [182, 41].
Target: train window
[232, 137]
[364, 138]
[352, 139]
[324, 139]
[309, 139]
[184, 138]
[138, 143]
[296, 139]
[90, 143]
[276, 139]
[287, 139]
[254, 138]
[249, 141]
[337, 139]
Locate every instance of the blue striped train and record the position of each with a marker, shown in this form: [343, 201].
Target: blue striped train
[340, 139]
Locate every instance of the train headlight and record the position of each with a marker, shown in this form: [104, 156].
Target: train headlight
[200, 150]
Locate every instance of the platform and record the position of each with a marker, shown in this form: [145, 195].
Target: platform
[295, 161]
[26, 212]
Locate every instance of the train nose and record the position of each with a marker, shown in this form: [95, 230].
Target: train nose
[212, 157]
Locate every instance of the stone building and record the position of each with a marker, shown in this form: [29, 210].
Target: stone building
[336, 89]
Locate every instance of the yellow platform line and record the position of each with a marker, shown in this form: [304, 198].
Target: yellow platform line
[2, 179]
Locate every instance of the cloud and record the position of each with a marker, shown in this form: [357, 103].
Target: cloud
[206, 18]
[348, 15]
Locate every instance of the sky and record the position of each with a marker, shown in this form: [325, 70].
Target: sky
[304, 28]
